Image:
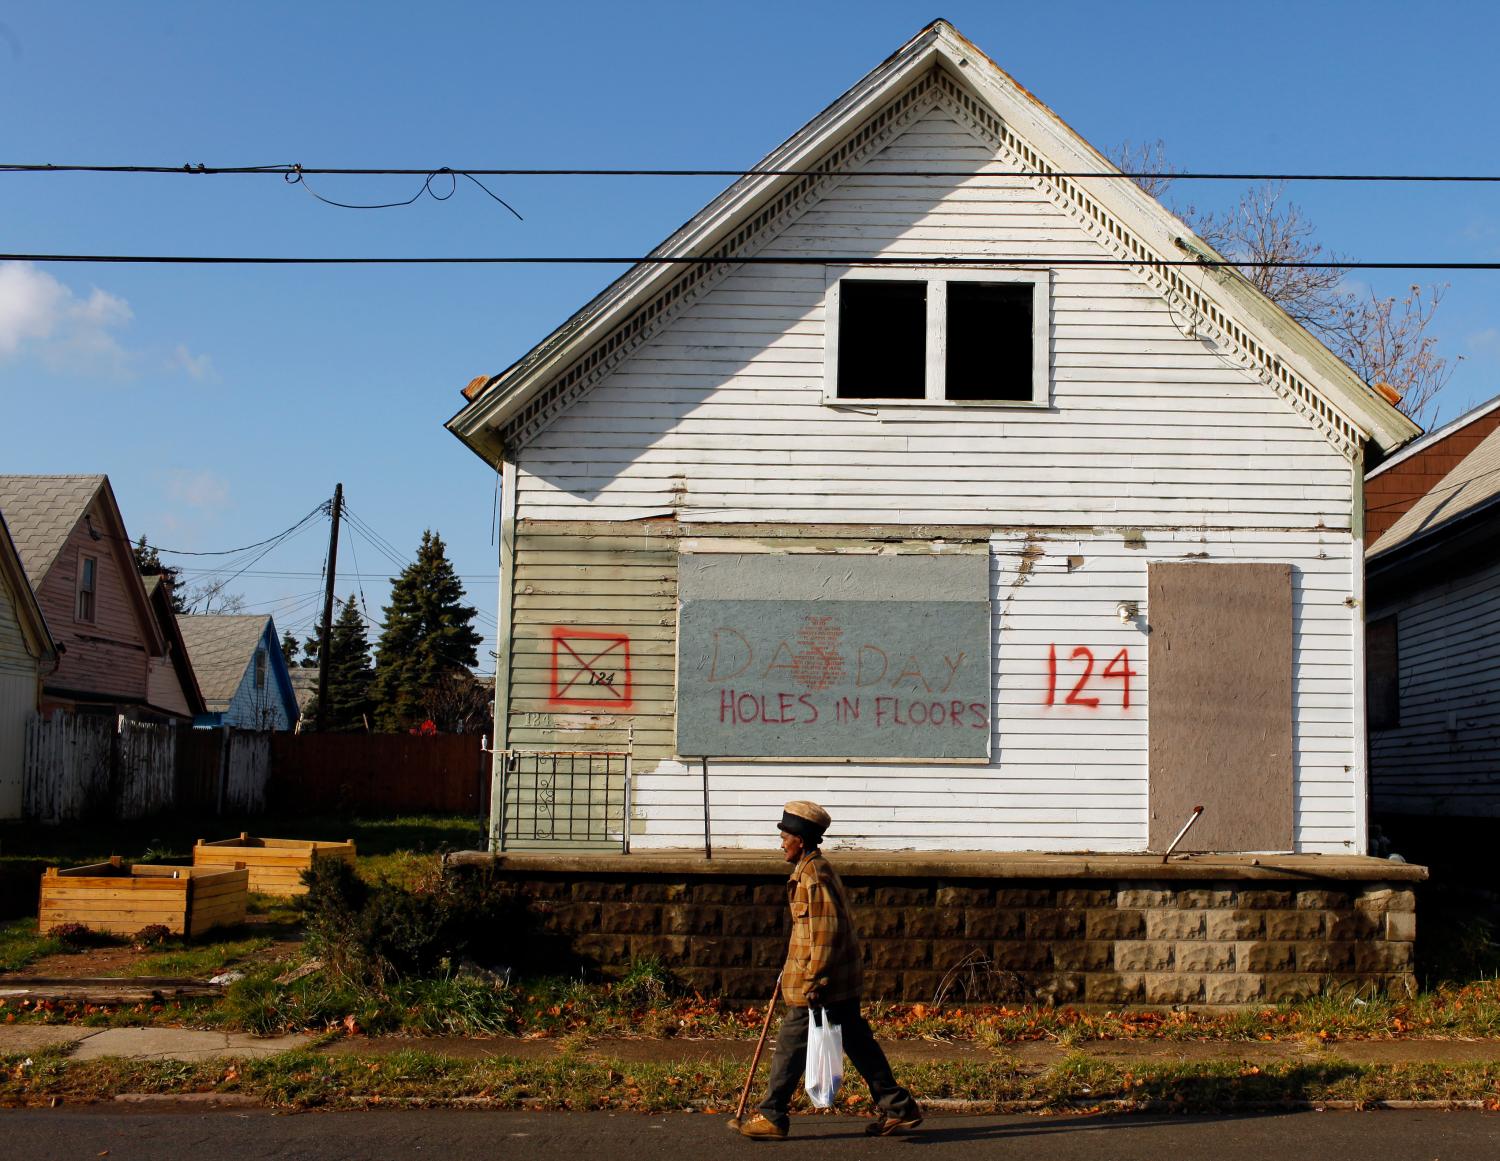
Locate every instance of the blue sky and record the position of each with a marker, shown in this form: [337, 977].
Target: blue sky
[224, 403]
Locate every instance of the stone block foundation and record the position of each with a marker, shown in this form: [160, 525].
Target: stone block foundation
[1100, 929]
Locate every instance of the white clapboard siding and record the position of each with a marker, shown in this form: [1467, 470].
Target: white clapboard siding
[719, 417]
[1061, 778]
[1444, 757]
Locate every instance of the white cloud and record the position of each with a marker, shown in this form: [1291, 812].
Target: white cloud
[203, 490]
[31, 304]
[68, 333]
[42, 316]
[199, 368]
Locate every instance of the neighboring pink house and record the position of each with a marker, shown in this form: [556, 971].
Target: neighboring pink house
[72, 541]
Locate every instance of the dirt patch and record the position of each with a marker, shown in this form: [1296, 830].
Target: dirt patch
[120, 960]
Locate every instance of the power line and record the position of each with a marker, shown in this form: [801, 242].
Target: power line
[727, 259]
[321, 508]
[297, 171]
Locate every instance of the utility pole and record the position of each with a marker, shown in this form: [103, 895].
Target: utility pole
[327, 632]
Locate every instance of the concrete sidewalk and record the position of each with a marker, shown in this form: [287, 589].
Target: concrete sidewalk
[194, 1045]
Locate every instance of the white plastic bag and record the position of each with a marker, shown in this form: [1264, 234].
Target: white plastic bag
[825, 1059]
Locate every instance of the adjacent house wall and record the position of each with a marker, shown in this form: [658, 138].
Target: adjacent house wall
[1444, 756]
[164, 687]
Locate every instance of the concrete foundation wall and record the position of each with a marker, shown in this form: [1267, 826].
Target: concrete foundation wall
[1176, 941]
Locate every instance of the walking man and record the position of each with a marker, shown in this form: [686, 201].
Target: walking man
[823, 971]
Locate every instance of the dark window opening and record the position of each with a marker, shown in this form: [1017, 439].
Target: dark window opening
[87, 585]
[1382, 675]
[989, 341]
[882, 340]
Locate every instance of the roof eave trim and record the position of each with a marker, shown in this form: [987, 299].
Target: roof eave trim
[512, 389]
[1159, 228]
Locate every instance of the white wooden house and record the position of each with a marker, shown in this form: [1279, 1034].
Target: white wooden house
[939, 339]
[27, 654]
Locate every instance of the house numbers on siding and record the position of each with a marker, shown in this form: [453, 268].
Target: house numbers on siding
[1075, 682]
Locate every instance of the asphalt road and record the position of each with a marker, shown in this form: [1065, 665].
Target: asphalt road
[36, 1134]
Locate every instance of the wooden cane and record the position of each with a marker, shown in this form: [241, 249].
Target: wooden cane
[760, 1047]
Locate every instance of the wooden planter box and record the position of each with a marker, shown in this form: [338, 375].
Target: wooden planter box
[275, 865]
[119, 899]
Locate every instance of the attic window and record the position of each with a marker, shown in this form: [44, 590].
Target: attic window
[88, 584]
[914, 336]
[260, 669]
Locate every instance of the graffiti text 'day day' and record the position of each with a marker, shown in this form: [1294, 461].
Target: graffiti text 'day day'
[733, 655]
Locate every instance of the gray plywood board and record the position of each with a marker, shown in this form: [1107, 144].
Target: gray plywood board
[836, 655]
[1221, 705]
[833, 577]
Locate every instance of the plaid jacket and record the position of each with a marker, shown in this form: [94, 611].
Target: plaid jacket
[824, 951]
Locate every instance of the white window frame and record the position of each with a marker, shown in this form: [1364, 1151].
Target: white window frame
[92, 589]
[262, 664]
[937, 280]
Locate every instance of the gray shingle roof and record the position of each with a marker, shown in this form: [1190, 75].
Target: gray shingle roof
[221, 648]
[1471, 485]
[304, 685]
[41, 511]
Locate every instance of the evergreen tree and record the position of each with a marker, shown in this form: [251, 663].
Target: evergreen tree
[289, 648]
[428, 636]
[148, 562]
[349, 674]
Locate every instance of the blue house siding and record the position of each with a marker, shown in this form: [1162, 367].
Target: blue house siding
[267, 705]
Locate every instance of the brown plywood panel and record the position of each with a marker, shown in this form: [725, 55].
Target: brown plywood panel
[1221, 705]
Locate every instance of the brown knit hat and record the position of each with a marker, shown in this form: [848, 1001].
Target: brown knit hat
[804, 819]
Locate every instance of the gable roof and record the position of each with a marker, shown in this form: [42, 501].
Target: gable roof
[505, 411]
[13, 580]
[221, 647]
[1468, 490]
[42, 512]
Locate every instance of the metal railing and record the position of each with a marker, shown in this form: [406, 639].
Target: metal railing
[565, 800]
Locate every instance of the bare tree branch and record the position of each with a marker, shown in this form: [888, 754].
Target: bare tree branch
[1383, 340]
[1146, 157]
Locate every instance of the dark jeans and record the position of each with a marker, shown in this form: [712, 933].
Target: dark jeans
[859, 1046]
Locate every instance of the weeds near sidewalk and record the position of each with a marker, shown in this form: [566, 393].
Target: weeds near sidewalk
[310, 1079]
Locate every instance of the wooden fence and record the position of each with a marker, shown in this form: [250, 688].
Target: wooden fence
[379, 774]
[80, 765]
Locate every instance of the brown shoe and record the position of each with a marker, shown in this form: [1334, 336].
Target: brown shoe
[888, 1126]
[760, 1129]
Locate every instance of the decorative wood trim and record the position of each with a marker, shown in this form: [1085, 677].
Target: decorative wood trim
[1171, 282]
[696, 279]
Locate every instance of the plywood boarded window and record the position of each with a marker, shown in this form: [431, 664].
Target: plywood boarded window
[1221, 705]
[1382, 675]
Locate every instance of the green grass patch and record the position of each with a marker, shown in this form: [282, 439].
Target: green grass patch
[20, 945]
[199, 960]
